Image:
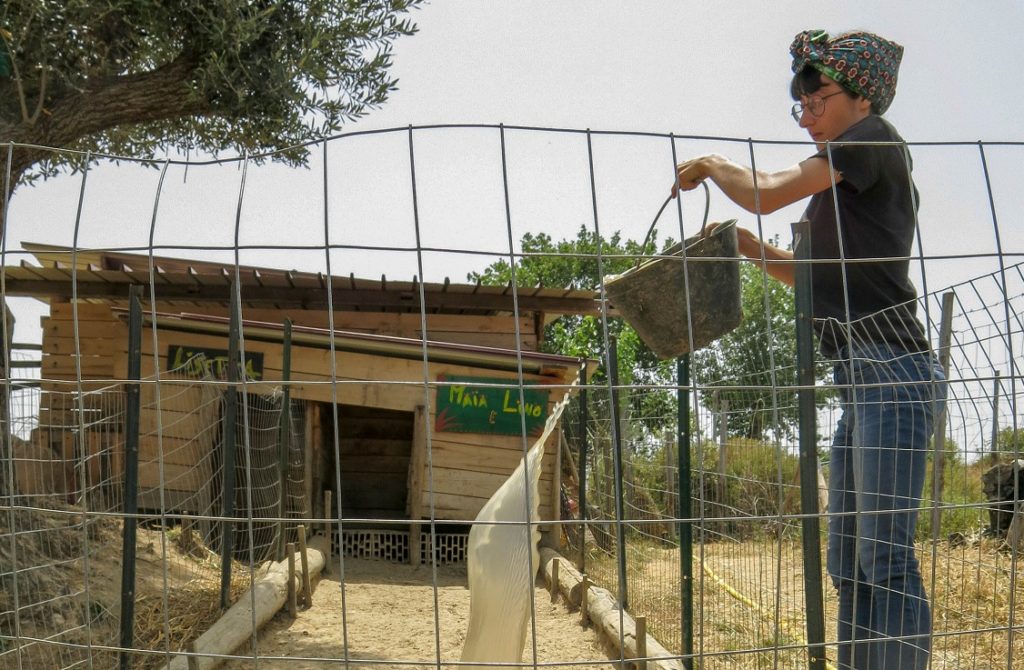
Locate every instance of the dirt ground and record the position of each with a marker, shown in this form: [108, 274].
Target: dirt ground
[390, 616]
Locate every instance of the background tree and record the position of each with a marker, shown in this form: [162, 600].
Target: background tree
[760, 355]
[740, 358]
[572, 263]
[1009, 442]
[137, 77]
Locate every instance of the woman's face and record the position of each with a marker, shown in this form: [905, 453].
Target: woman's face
[838, 113]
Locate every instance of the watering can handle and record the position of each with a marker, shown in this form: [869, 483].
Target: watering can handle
[707, 207]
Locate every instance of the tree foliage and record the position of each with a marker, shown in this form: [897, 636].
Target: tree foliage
[1010, 441]
[573, 263]
[759, 356]
[136, 77]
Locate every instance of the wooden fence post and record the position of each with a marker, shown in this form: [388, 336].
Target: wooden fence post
[293, 608]
[641, 642]
[307, 591]
[584, 606]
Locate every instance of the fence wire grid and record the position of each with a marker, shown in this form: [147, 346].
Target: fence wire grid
[63, 511]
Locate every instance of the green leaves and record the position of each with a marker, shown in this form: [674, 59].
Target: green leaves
[248, 75]
[580, 263]
[751, 368]
[755, 365]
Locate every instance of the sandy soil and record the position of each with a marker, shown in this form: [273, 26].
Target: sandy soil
[390, 616]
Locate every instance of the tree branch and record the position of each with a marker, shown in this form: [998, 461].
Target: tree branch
[42, 97]
[156, 95]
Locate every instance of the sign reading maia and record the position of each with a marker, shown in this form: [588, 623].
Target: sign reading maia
[203, 361]
[464, 407]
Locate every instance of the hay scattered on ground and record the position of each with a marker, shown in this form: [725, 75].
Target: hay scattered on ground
[49, 548]
[973, 604]
[42, 554]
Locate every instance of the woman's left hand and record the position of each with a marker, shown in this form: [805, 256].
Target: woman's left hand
[689, 174]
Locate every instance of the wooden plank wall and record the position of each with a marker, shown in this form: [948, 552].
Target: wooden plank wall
[176, 442]
[467, 468]
[374, 447]
[98, 333]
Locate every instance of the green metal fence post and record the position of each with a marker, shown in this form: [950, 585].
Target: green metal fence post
[227, 535]
[620, 512]
[813, 595]
[131, 476]
[582, 466]
[684, 509]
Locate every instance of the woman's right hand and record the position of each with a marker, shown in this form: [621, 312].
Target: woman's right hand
[747, 243]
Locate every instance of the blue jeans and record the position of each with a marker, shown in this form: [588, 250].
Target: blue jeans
[879, 452]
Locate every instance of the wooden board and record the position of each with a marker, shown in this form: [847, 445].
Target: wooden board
[174, 451]
[498, 331]
[66, 346]
[481, 457]
[311, 363]
[463, 508]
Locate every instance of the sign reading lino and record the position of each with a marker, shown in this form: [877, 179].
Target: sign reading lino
[203, 361]
[464, 407]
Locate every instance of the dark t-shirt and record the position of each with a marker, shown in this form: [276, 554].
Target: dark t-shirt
[876, 202]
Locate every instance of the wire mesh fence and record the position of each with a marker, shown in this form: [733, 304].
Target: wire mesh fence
[60, 608]
[748, 564]
[623, 519]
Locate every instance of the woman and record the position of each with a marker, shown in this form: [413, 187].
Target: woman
[863, 205]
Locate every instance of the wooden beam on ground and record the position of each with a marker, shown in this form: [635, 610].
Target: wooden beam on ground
[603, 611]
[236, 626]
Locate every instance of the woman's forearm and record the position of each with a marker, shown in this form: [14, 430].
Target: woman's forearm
[778, 262]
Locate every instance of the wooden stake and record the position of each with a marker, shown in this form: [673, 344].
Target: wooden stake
[584, 614]
[641, 642]
[185, 539]
[193, 661]
[307, 590]
[328, 513]
[554, 580]
[293, 609]
[415, 480]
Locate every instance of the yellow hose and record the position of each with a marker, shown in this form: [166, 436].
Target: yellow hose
[795, 637]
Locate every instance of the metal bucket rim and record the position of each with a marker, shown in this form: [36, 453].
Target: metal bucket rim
[675, 250]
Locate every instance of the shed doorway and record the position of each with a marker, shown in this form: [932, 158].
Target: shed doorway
[374, 448]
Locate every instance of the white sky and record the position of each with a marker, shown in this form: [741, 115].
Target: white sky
[692, 68]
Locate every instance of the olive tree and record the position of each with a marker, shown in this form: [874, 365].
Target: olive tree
[137, 78]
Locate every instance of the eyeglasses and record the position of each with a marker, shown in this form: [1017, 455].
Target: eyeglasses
[815, 105]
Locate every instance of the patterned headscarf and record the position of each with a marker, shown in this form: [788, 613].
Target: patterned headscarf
[863, 62]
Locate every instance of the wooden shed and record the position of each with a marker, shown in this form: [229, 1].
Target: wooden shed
[407, 400]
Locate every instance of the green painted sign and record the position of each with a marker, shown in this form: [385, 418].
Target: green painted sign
[463, 406]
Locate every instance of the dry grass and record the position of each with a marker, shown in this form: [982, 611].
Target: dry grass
[70, 608]
[749, 607]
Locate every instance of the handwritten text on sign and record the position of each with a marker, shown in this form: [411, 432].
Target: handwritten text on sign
[466, 407]
[203, 361]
